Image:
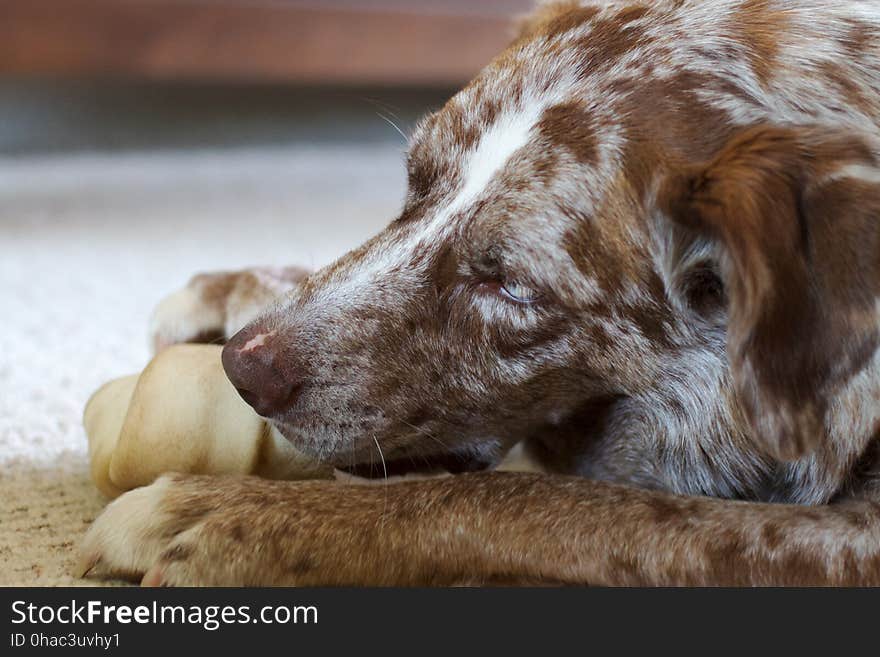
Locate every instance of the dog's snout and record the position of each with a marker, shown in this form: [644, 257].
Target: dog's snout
[253, 367]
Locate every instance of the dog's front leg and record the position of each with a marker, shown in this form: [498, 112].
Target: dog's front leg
[489, 527]
[213, 306]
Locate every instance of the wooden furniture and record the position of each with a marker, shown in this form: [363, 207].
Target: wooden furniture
[386, 42]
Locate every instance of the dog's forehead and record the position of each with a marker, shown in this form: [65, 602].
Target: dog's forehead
[525, 153]
[502, 157]
[541, 122]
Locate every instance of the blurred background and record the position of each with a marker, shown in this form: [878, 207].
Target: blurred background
[110, 74]
[142, 141]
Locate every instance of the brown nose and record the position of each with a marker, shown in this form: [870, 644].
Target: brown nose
[253, 368]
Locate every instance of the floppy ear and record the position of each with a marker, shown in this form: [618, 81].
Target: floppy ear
[795, 213]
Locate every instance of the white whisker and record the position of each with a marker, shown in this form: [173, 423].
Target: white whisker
[393, 125]
[426, 434]
[385, 472]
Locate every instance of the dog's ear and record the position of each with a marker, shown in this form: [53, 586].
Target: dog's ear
[795, 215]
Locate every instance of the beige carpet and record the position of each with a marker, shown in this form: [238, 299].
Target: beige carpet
[87, 245]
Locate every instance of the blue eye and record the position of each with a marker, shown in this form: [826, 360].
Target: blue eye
[518, 293]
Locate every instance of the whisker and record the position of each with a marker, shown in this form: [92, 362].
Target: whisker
[393, 125]
[427, 434]
[385, 472]
[381, 456]
[390, 110]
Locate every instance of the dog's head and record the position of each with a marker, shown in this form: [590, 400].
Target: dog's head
[592, 253]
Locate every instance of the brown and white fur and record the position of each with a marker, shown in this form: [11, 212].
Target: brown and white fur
[645, 243]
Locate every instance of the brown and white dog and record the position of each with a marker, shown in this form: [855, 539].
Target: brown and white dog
[645, 243]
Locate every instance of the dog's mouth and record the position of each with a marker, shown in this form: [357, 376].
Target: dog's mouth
[371, 464]
[452, 463]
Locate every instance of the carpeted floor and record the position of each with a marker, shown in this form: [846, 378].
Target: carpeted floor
[88, 244]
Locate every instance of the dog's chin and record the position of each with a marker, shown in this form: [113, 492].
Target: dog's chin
[370, 465]
[452, 463]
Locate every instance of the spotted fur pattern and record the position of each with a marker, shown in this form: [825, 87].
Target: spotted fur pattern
[688, 194]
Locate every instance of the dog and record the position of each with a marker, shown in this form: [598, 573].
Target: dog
[644, 244]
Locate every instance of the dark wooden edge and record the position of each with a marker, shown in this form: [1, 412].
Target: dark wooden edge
[257, 41]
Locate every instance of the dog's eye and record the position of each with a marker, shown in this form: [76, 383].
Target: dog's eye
[518, 293]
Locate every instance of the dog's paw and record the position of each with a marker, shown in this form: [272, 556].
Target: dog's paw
[140, 537]
[196, 313]
[212, 307]
[174, 532]
[196, 530]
